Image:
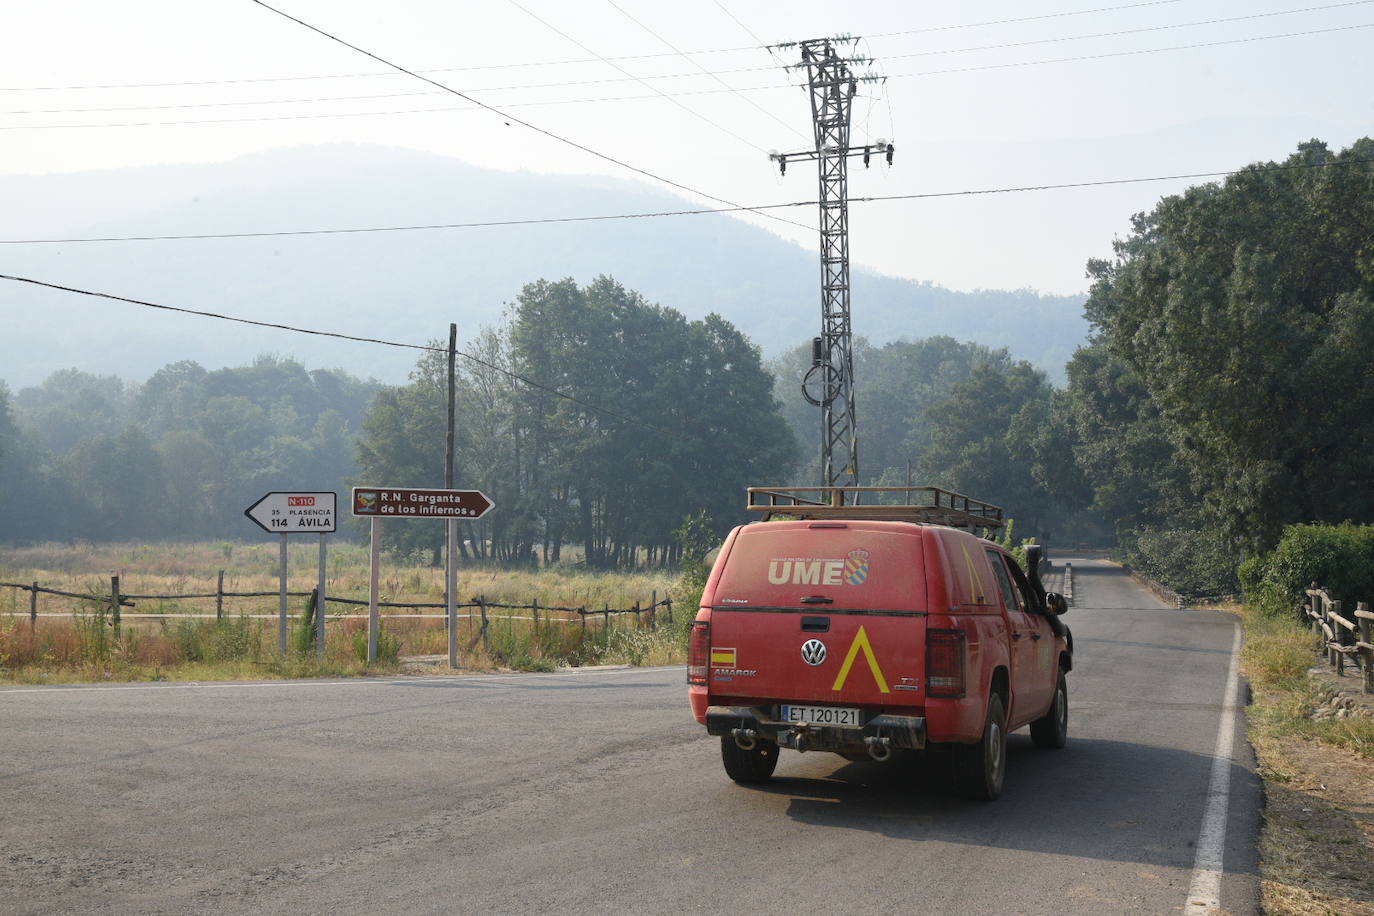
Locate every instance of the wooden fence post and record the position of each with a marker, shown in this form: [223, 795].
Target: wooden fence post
[582, 615]
[33, 607]
[1335, 653]
[606, 623]
[219, 596]
[114, 601]
[482, 603]
[653, 610]
[310, 606]
[1364, 655]
[535, 607]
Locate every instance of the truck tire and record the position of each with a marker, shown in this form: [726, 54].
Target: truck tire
[1052, 729]
[743, 766]
[981, 768]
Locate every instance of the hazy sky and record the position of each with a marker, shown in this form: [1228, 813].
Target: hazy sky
[984, 125]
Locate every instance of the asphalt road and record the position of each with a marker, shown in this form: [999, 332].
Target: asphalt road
[597, 792]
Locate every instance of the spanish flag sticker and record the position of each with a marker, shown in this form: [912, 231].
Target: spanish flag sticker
[724, 658]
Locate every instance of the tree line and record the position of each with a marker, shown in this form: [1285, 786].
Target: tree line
[1225, 393]
[179, 456]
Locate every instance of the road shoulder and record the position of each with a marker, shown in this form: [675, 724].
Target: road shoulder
[1317, 839]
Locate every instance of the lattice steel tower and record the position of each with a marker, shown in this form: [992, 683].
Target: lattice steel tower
[829, 384]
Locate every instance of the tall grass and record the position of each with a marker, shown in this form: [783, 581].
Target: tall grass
[1276, 656]
[85, 645]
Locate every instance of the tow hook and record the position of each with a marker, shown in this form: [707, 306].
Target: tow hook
[745, 738]
[879, 749]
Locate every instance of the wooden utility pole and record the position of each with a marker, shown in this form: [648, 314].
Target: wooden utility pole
[451, 524]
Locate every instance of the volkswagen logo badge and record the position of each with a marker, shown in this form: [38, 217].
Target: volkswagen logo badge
[813, 652]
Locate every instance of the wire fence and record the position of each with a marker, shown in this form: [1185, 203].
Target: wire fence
[476, 608]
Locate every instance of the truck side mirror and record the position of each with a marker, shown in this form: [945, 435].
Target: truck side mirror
[1056, 603]
[1034, 554]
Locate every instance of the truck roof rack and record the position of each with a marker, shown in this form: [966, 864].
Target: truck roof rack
[922, 505]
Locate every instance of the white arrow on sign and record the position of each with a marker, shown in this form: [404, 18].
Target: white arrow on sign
[294, 513]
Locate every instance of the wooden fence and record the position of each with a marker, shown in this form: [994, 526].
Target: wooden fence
[116, 600]
[1343, 639]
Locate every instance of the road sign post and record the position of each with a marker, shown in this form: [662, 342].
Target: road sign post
[374, 554]
[286, 513]
[378, 503]
[451, 588]
[281, 601]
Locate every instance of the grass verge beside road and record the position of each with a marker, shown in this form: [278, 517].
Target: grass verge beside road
[1313, 735]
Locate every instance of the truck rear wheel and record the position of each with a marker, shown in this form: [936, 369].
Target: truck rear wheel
[982, 767]
[1052, 729]
[755, 765]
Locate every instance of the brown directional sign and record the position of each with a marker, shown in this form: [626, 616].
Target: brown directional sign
[400, 502]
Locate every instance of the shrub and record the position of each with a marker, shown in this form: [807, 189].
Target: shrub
[1196, 563]
[1339, 558]
[388, 646]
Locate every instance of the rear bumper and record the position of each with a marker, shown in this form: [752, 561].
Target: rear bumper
[892, 731]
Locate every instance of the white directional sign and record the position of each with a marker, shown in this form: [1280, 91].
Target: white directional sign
[294, 513]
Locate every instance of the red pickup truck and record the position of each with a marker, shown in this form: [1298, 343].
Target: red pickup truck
[861, 636]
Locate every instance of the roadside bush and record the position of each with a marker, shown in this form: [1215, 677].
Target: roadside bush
[388, 646]
[1016, 550]
[1339, 558]
[1196, 563]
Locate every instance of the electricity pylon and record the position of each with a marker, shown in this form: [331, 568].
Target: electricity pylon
[829, 384]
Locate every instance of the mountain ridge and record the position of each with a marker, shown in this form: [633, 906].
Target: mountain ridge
[407, 286]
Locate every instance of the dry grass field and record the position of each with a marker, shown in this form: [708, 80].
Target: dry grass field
[75, 640]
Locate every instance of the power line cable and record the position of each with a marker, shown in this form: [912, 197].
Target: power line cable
[1139, 51]
[552, 63]
[748, 31]
[510, 117]
[752, 34]
[350, 337]
[533, 221]
[363, 75]
[927, 195]
[1042, 16]
[691, 111]
[386, 95]
[686, 55]
[308, 116]
[1139, 31]
[691, 60]
[627, 98]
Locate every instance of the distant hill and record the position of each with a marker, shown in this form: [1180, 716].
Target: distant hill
[407, 286]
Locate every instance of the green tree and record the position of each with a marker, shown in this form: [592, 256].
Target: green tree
[980, 436]
[71, 404]
[629, 418]
[1245, 312]
[894, 384]
[118, 482]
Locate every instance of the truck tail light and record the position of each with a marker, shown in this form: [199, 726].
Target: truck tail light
[945, 652]
[699, 653]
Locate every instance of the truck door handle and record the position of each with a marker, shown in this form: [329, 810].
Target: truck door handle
[1016, 636]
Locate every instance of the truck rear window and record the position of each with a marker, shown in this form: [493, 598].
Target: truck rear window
[863, 565]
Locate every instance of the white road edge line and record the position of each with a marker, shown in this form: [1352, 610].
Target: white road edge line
[351, 682]
[1204, 894]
